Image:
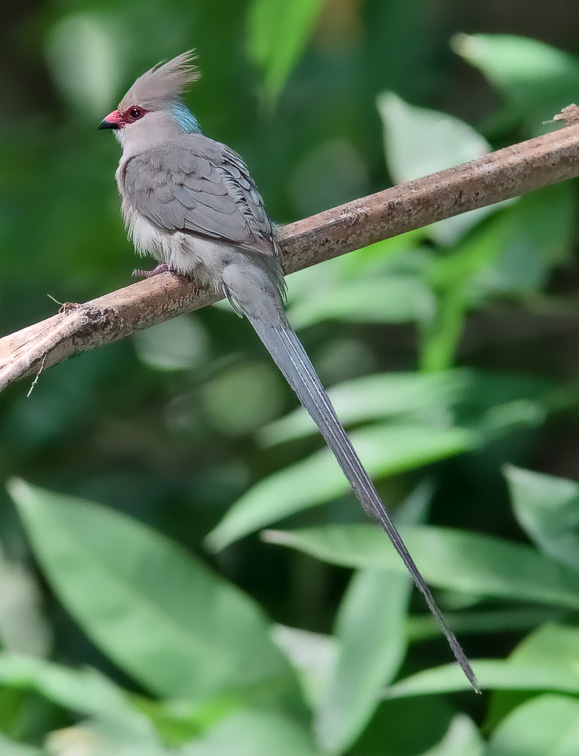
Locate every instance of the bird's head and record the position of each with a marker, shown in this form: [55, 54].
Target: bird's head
[153, 110]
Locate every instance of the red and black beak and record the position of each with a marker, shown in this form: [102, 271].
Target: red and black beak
[112, 121]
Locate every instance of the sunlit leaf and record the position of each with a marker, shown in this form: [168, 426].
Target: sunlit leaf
[513, 253]
[84, 691]
[549, 644]
[476, 398]
[97, 738]
[492, 674]
[370, 631]
[537, 80]
[314, 657]
[461, 561]
[23, 627]
[389, 299]
[420, 142]
[277, 34]
[249, 732]
[11, 748]
[548, 509]
[545, 725]
[153, 608]
[384, 450]
[461, 739]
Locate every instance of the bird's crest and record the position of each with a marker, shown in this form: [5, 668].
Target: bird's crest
[163, 84]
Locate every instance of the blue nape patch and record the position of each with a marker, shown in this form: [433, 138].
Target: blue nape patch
[185, 118]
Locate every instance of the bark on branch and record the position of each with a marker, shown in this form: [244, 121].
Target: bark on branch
[497, 176]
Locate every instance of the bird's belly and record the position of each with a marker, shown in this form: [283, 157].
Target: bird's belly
[183, 253]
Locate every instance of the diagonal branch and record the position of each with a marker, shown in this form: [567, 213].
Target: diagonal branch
[497, 176]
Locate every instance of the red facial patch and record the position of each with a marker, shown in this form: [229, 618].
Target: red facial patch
[132, 114]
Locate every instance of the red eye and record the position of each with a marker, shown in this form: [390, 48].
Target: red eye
[135, 113]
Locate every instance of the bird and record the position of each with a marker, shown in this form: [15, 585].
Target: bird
[190, 202]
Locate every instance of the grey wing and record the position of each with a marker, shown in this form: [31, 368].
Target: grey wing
[202, 188]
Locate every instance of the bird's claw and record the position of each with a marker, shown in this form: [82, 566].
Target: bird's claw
[161, 268]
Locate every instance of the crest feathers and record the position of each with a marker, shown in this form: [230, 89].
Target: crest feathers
[163, 84]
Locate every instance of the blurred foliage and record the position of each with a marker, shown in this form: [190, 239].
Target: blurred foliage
[160, 620]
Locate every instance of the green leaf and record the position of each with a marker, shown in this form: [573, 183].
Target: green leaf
[550, 644]
[370, 630]
[314, 657]
[85, 691]
[384, 450]
[548, 510]
[381, 396]
[12, 748]
[248, 732]
[387, 299]
[537, 80]
[487, 401]
[492, 674]
[454, 559]
[98, 738]
[277, 35]
[23, 627]
[461, 739]
[156, 611]
[420, 142]
[545, 725]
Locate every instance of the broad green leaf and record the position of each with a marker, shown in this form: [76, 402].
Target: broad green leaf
[12, 748]
[370, 631]
[476, 398]
[420, 142]
[550, 644]
[373, 397]
[547, 724]
[313, 655]
[154, 609]
[548, 510]
[461, 739]
[97, 738]
[476, 623]
[23, 627]
[536, 80]
[461, 561]
[384, 450]
[514, 253]
[84, 691]
[492, 674]
[277, 35]
[387, 299]
[249, 732]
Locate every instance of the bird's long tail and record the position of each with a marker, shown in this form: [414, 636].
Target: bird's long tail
[290, 356]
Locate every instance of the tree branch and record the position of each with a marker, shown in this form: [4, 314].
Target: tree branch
[497, 176]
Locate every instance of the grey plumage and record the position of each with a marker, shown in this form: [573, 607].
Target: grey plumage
[193, 184]
[191, 202]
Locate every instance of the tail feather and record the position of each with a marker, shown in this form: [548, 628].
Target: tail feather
[291, 358]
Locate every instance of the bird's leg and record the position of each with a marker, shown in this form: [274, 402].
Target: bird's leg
[161, 268]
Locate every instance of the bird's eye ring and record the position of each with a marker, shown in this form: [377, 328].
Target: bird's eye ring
[135, 113]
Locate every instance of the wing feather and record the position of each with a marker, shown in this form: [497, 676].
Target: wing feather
[198, 186]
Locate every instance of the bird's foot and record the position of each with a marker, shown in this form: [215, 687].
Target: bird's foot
[161, 268]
